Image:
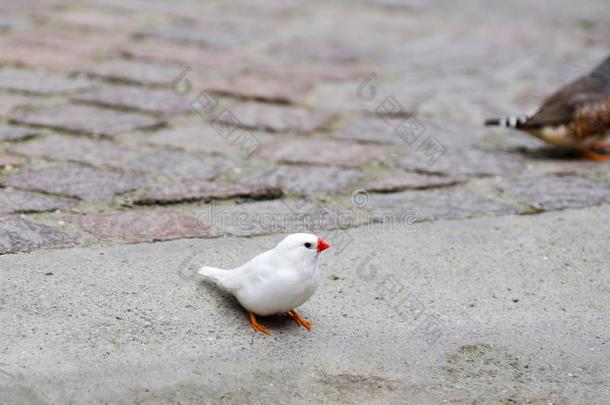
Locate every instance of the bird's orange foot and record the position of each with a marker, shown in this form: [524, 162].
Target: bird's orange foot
[601, 144]
[257, 326]
[598, 157]
[295, 316]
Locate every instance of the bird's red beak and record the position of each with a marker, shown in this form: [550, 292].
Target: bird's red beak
[322, 245]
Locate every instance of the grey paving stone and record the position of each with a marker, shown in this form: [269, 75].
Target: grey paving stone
[453, 133]
[11, 161]
[40, 56]
[469, 150]
[312, 73]
[13, 133]
[508, 140]
[9, 102]
[306, 179]
[12, 201]
[86, 119]
[400, 4]
[286, 216]
[273, 10]
[181, 165]
[200, 136]
[410, 181]
[421, 205]
[379, 129]
[5, 23]
[142, 225]
[187, 55]
[87, 44]
[196, 190]
[361, 96]
[274, 118]
[322, 151]
[282, 83]
[76, 149]
[76, 181]
[137, 98]
[320, 48]
[460, 160]
[214, 34]
[20, 234]
[262, 86]
[558, 192]
[132, 8]
[93, 20]
[28, 81]
[136, 72]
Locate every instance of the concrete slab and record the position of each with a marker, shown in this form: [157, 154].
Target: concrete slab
[509, 309]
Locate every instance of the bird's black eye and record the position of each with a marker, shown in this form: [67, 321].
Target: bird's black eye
[307, 245]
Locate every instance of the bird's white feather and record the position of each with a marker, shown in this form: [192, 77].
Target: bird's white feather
[213, 274]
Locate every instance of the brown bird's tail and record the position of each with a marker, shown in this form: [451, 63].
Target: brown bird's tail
[510, 122]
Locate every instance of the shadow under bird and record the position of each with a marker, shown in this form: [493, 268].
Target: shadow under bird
[577, 116]
[276, 281]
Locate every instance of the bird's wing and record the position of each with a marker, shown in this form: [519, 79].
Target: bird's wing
[233, 280]
[248, 273]
[561, 106]
[560, 109]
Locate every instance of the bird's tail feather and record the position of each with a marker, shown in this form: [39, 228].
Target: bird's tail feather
[213, 274]
[513, 121]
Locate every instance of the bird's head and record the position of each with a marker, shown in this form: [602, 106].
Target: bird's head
[302, 246]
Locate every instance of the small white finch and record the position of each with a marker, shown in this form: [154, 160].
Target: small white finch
[276, 281]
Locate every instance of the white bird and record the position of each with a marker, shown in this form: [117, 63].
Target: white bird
[276, 281]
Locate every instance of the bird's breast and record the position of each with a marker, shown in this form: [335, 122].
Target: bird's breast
[280, 292]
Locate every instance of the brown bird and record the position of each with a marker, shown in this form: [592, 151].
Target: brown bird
[577, 116]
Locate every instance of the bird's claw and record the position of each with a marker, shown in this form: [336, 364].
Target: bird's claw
[257, 326]
[306, 324]
[601, 144]
[261, 328]
[296, 317]
[595, 156]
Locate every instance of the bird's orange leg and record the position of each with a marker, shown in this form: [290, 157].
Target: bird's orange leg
[598, 157]
[601, 144]
[295, 316]
[257, 326]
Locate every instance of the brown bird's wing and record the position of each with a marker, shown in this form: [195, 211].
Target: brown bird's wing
[560, 107]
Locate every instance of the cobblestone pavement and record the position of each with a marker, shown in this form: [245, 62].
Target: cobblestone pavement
[128, 121]
[123, 113]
